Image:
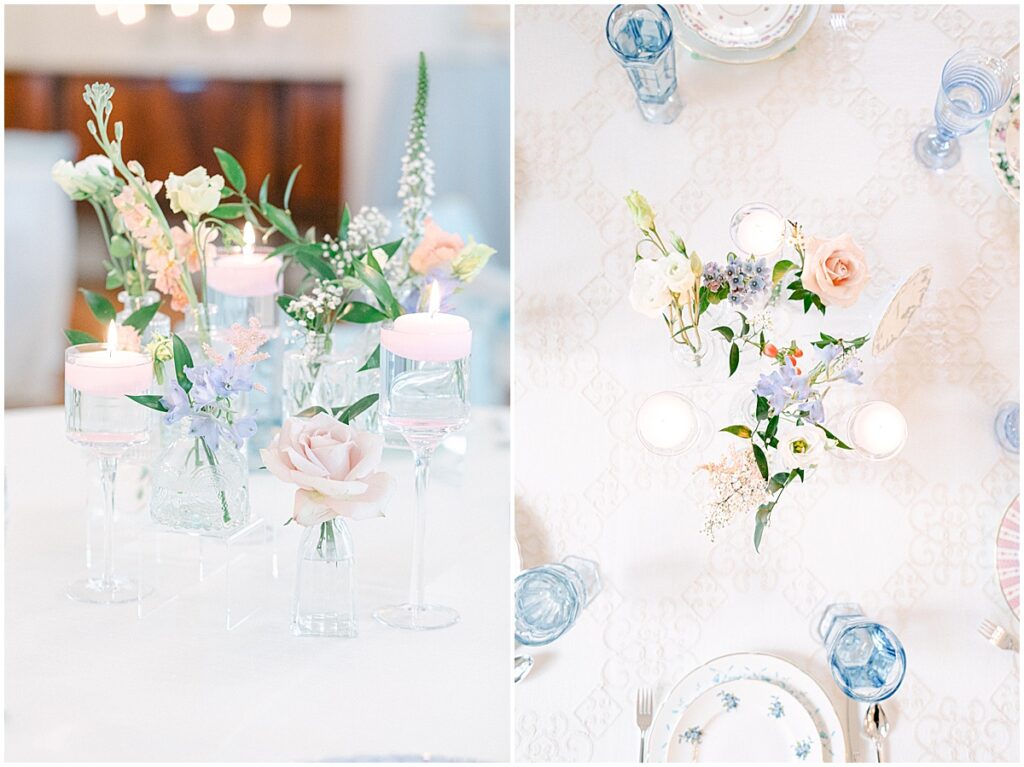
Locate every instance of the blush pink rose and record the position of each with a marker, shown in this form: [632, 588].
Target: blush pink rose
[835, 269]
[333, 465]
[437, 248]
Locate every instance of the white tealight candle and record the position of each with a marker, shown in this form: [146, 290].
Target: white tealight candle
[431, 336]
[758, 229]
[667, 423]
[248, 273]
[878, 430]
[104, 370]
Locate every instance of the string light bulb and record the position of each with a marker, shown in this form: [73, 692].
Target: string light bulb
[277, 15]
[106, 9]
[220, 18]
[184, 10]
[131, 13]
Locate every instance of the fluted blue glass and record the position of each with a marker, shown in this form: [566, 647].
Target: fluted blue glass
[866, 659]
[550, 598]
[641, 37]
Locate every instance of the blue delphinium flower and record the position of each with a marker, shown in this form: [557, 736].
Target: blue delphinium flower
[177, 403]
[783, 387]
[233, 378]
[852, 375]
[241, 430]
[206, 381]
[207, 428]
[830, 352]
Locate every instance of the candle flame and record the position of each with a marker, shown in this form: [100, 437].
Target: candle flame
[248, 237]
[434, 298]
[111, 338]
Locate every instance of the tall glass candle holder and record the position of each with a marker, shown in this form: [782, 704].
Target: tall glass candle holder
[424, 367]
[98, 416]
[243, 283]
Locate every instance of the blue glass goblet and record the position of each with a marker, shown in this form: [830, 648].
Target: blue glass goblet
[975, 84]
[641, 37]
[867, 660]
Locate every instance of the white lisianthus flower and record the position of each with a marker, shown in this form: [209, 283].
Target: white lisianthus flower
[196, 193]
[679, 276]
[91, 177]
[643, 213]
[649, 294]
[801, 447]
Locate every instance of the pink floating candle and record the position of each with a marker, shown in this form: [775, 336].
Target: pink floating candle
[430, 336]
[104, 370]
[245, 272]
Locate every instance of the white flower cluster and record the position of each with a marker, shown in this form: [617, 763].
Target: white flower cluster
[416, 186]
[368, 228]
[312, 308]
[737, 488]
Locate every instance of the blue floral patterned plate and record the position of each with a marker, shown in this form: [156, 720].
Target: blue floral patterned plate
[745, 720]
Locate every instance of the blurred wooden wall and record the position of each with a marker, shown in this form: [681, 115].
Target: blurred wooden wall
[172, 125]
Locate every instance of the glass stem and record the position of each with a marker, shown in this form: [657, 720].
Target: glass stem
[422, 456]
[108, 478]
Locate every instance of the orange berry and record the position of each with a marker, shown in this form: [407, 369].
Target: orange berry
[792, 360]
[798, 352]
[770, 350]
[799, 372]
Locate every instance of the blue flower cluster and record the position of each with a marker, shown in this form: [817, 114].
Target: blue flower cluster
[746, 278]
[850, 371]
[205, 404]
[784, 387]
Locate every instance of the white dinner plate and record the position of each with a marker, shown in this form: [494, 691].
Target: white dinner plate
[746, 720]
[694, 42]
[738, 666]
[1004, 144]
[740, 26]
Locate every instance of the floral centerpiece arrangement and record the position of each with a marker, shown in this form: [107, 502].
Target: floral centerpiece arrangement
[200, 481]
[788, 437]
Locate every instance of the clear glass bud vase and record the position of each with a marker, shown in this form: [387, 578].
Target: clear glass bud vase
[318, 373]
[197, 488]
[325, 582]
[160, 325]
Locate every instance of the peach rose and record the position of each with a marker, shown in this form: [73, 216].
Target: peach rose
[333, 465]
[835, 269]
[437, 248]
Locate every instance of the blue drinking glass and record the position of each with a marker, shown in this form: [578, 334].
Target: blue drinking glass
[1008, 427]
[549, 599]
[975, 84]
[867, 660]
[641, 36]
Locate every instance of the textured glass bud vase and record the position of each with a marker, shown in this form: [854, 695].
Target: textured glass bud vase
[325, 582]
[424, 396]
[199, 487]
[641, 38]
[550, 598]
[160, 325]
[321, 372]
[99, 416]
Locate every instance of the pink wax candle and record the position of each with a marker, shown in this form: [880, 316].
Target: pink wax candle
[430, 336]
[104, 370]
[245, 272]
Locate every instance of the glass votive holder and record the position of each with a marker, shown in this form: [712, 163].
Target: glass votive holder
[758, 229]
[244, 283]
[669, 423]
[876, 430]
[549, 599]
[1008, 427]
[97, 414]
[867, 659]
[641, 38]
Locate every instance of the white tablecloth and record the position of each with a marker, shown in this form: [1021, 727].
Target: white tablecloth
[91, 682]
[824, 134]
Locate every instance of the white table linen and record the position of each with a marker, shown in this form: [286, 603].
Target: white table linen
[95, 682]
[824, 133]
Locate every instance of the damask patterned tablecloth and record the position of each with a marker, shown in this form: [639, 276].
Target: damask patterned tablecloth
[823, 133]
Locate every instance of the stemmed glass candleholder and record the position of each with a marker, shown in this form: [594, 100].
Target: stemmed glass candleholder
[99, 416]
[974, 85]
[669, 423]
[424, 366]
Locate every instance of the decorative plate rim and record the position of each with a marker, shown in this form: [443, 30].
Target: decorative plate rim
[997, 145]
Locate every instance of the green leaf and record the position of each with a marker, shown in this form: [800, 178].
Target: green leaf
[149, 400]
[726, 332]
[734, 358]
[140, 318]
[291, 183]
[830, 435]
[120, 248]
[312, 261]
[361, 313]
[101, 308]
[232, 170]
[76, 337]
[377, 285]
[228, 211]
[773, 427]
[762, 461]
[345, 415]
[390, 247]
[263, 190]
[739, 430]
[373, 361]
[182, 360]
[346, 219]
[285, 301]
[282, 220]
[763, 408]
[309, 412]
[780, 269]
[703, 300]
[113, 281]
[745, 326]
[761, 519]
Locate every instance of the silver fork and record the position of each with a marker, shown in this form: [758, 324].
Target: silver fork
[644, 716]
[997, 635]
[838, 18]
